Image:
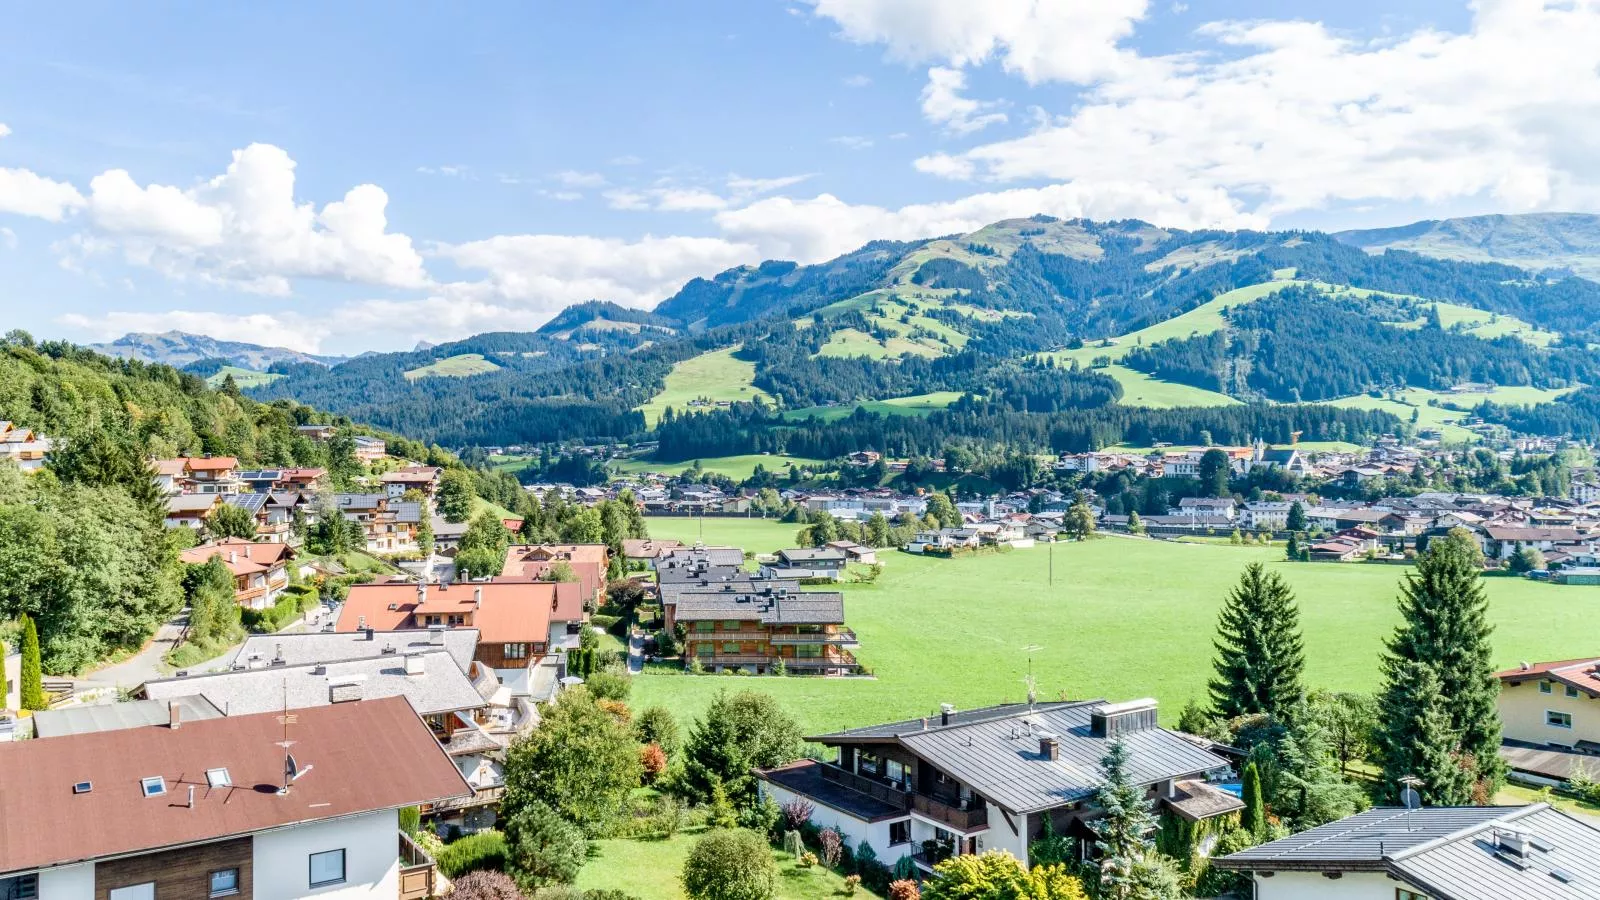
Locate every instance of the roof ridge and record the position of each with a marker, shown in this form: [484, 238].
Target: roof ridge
[1397, 813]
[1512, 813]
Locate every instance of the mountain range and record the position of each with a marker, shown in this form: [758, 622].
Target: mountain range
[1035, 315]
[180, 348]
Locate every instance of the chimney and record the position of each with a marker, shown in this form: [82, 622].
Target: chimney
[370, 633]
[477, 598]
[174, 714]
[233, 556]
[361, 622]
[191, 796]
[422, 592]
[946, 710]
[414, 664]
[1049, 749]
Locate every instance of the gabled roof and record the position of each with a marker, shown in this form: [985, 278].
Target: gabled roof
[439, 687]
[513, 610]
[331, 646]
[242, 557]
[995, 751]
[765, 605]
[1583, 674]
[1449, 853]
[357, 757]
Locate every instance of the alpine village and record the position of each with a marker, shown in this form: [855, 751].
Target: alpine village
[1042, 556]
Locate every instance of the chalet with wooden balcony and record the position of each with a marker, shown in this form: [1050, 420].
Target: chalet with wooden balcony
[411, 478]
[588, 563]
[260, 570]
[989, 779]
[753, 625]
[390, 525]
[23, 446]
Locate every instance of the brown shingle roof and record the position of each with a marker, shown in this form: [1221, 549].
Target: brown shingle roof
[242, 557]
[368, 756]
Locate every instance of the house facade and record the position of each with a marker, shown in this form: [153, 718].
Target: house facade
[23, 446]
[207, 808]
[807, 563]
[1550, 719]
[959, 783]
[260, 569]
[751, 625]
[390, 525]
[588, 563]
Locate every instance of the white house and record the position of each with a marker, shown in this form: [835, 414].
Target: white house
[1432, 853]
[219, 807]
[1265, 515]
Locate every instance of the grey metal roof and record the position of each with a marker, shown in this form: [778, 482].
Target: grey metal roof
[995, 751]
[811, 554]
[690, 556]
[441, 687]
[328, 646]
[1448, 852]
[117, 716]
[767, 607]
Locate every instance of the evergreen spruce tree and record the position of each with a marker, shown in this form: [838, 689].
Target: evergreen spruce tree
[1120, 833]
[1445, 630]
[1259, 652]
[1292, 552]
[1253, 818]
[1415, 739]
[32, 686]
[1297, 517]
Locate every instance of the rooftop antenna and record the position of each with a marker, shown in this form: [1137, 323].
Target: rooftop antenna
[1410, 798]
[1033, 692]
[291, 769]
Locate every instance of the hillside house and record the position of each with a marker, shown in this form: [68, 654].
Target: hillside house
[369, 450]
[210, 475]
[260, 570]
[748, 625]
[588, 562]
[418, 478]
[1432, 853]
[520, 622]
[1550, 719]
[390, 525]
[23, 446]
[190, 510]
[960, 783]
[316, 432]
[219, 807]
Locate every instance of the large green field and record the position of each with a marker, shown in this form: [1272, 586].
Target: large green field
[242, 378]
[1139, 389]
[459, 366]
[714, 376]
[1419, 401]
[1125, 618]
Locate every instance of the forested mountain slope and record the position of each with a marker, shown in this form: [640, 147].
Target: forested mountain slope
[970, 315]
[1535, 241]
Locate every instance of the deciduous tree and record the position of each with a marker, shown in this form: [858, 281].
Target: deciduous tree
[730, 865]
[580, 761]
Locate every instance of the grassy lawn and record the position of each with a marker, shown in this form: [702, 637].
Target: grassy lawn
[480, 506]
[1125, 618]
[649, 870]
[1445, 419]
[1520, 794]
[459, 366]
[736, 467]
[914, 405]
[1203, 319]
[244, 378]
[714, 376]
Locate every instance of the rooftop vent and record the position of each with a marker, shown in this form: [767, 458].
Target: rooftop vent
[415, 664]
[1049, 748]
[1512, 841]
[1113, 719]
[946, 710]
[319, 669]
[387, 651]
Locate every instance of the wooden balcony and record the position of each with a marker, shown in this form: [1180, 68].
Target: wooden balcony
[958, 819]
[792, 663]
[843, 637]
[743, 636]
[877, 789]
[416, 870]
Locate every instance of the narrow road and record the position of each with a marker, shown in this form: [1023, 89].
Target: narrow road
[635, 654]
[142, 666]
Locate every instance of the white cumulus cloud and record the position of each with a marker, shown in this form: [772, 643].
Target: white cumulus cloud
[943, 105]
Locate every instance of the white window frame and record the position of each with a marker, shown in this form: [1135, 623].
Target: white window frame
[1549, 714]
[153, 786]
[143, 891]
[211, 884]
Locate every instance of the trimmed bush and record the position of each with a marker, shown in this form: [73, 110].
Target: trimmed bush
[484, 851]
[730, 865]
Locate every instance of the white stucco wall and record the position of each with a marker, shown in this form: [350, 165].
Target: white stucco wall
[67, 883]
[281, 869]
[1316, 886]
[855, 830]
[1001, 837]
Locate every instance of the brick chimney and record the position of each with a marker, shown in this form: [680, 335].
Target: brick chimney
[174, 714]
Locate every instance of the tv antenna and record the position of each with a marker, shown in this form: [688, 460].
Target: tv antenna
[1410, 798]
[1033, 689]
[292, 770]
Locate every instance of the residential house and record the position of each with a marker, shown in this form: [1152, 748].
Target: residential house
[23, 446]
[645, 551]
[945, 540]
[211, 475]
[418, 478]
[588, 562]
[220, 807]
[390, 525]
[316, 432]
[370, 449]
[190, 510]
[1225, 507]
[750, 625]
[303, 480]
[959, 783]
[1432, 853]
[520, 622]
[688, 559]
[807, 563]
[1585, 492]
[1265, 515]
[168, 475]
[855, 552]
[447, 535]
[1504, 541]
[260, 481]
[1344, 546]
[278, 515]
[260, 570]
[1550, 719]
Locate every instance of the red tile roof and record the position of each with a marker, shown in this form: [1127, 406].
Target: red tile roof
[1583, 674]
[212, 463]
[588, 562]
[365, 756]
[513, 610]
[242, 557]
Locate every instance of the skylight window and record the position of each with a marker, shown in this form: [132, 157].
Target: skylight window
[218, 778]
[154, 786]
[83, 787]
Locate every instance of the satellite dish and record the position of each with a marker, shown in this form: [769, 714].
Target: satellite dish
[1409, 798]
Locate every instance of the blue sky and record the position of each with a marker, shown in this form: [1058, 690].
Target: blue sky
[342, 177]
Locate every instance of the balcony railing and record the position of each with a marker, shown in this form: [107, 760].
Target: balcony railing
[416, 870]
[878, 790]
[964, 820]
[759, 636]
[844, 637]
